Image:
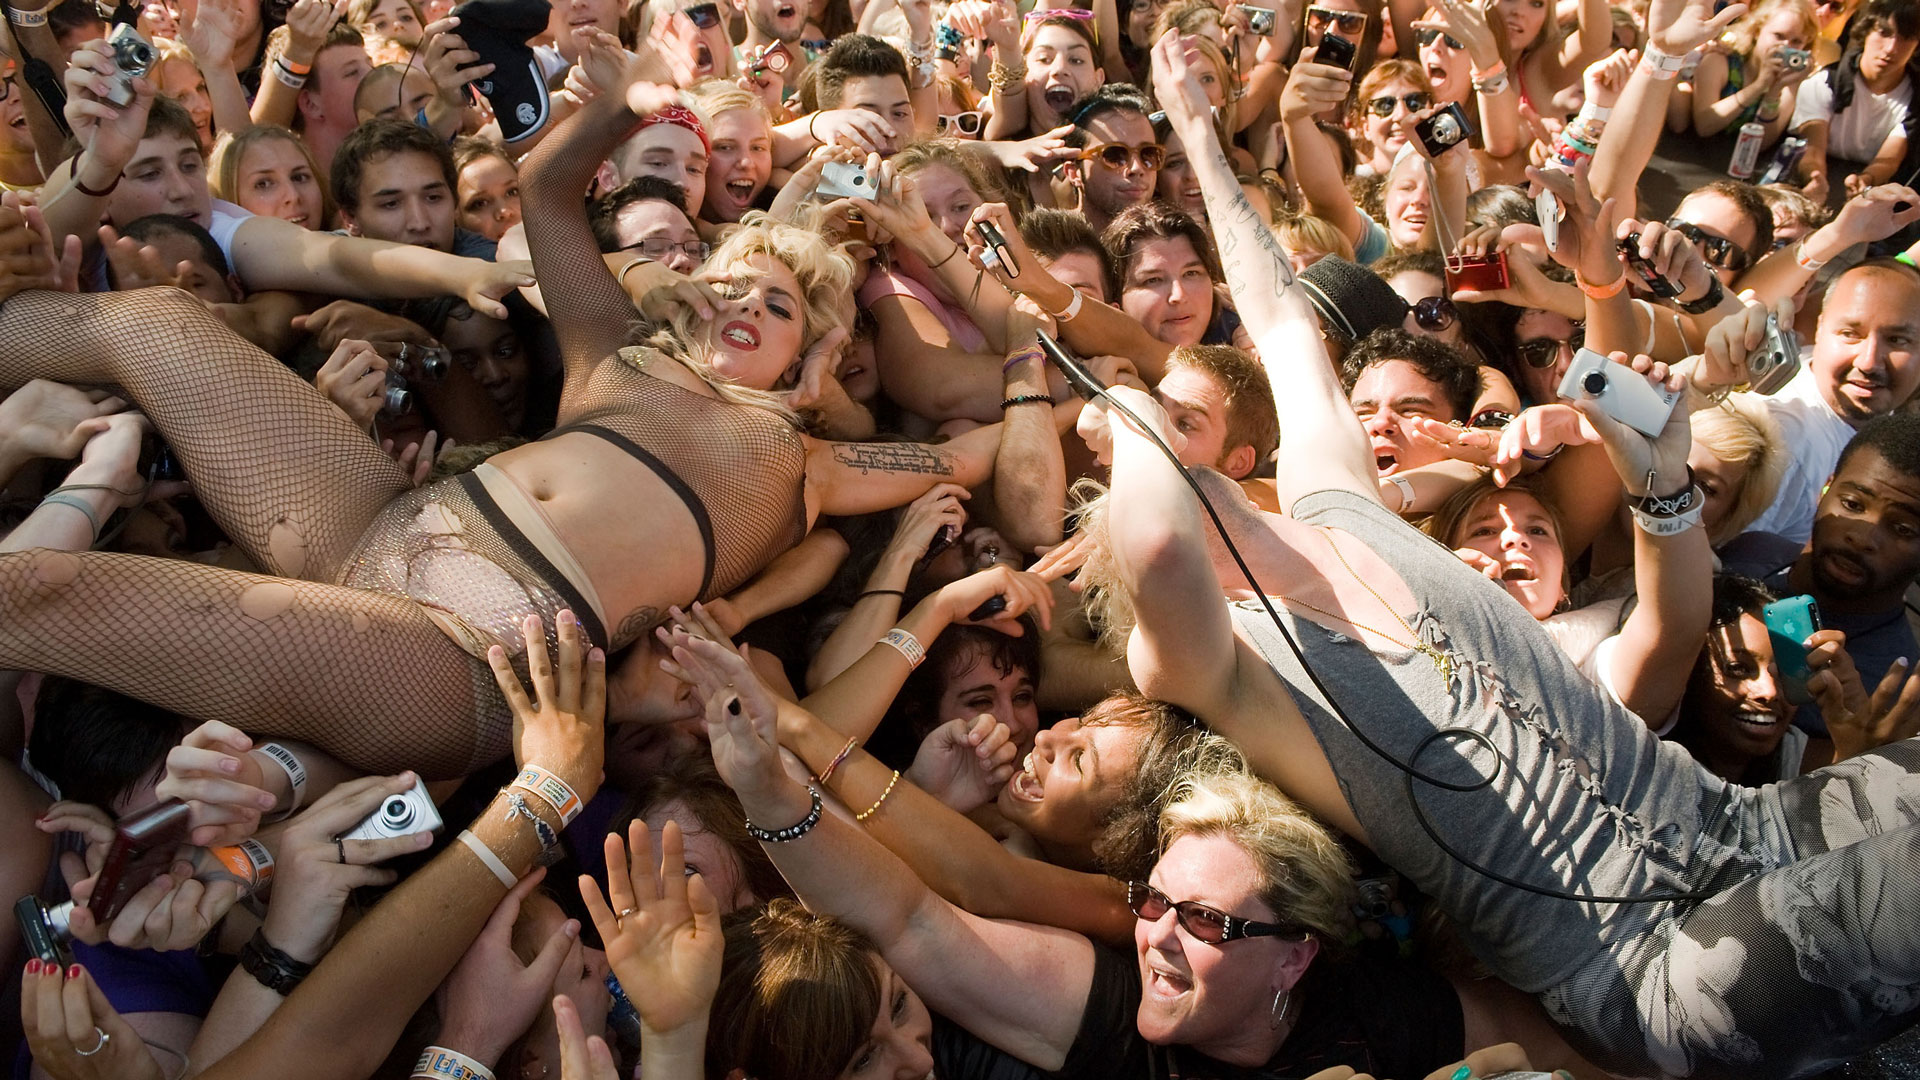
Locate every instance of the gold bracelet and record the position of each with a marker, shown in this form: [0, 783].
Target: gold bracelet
[1003, 78]
[875, 808]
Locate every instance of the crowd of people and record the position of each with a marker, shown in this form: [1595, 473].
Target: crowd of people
[964, 538]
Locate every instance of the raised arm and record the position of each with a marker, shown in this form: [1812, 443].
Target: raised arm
[962, 965]
[1323, 443]
[589, 310]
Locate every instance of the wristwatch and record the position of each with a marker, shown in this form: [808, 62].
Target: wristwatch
[1709, 300]
[269, 966]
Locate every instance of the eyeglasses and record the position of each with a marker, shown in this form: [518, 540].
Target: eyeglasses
[1203, 922]
[1118, 156]
[1543, 353]
[966, 123]
[1382, 106]
[1349, 22]
[1718, 250]
[704, 16]
[1435, 314]
[659, 248]
[1427, 37]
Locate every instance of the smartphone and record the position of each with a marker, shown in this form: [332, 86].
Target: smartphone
[1620, 391]
[1790, 623]
[1260, 20]
[844, 180]
[1335, 50]
[1777, 360]
[144, 846]
[1481, 273]
[1660, 286]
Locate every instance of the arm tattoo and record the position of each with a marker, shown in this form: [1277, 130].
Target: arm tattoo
[1237, 217]
[638, 622]
[893, 457]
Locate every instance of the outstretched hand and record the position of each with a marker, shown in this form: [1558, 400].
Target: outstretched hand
[492, 996]
[1858, 722]
[964, 763]
[661, 927]
[222, 784]
[561, 728]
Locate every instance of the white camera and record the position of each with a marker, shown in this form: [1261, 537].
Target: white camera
[404, 814]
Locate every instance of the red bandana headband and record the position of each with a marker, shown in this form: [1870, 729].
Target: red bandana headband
[678, 116]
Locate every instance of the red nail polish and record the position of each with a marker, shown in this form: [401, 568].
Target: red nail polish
[73, 972]
[33, 966]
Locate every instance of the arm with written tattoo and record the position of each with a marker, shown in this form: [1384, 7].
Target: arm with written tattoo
[1321, 444]
[859, 478]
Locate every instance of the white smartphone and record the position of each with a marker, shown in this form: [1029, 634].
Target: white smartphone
[1620, 391]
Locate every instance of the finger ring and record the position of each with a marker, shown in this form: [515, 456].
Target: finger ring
[340, 844]
[621, 919]
[98, 1046]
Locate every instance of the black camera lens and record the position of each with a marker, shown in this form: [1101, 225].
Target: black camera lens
[1594, 383]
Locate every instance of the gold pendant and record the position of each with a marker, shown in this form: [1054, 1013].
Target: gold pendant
[1441, 661]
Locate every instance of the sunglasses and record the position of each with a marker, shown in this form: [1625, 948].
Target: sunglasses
[1718, 250]
[1383, 106]
[1543, 353]
[1203, 922]
[1043, 14]
[659, 248]
[1349, 22]
[1435, 314]
[704, 16]
[966, 123]
[1118, 156]
[1427, 37]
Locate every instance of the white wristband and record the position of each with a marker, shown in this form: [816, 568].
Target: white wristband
[1073, 307]
[1405, 487]
[479, 848]
[906, 645]
[552, 790]
[296, 776]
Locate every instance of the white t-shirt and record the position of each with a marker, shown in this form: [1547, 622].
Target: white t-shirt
[1858, 133]
[226, 220]
[1814, 435]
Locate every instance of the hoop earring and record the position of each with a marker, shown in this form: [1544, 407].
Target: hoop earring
[1282, 1005]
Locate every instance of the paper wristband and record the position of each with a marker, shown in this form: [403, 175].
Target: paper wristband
[438, 1061]
[486, 855]
[296, 776]
[552, 790]
[249, 860]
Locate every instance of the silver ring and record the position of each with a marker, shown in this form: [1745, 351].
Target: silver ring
[98, 1046]
[620, 920]
[340, 844]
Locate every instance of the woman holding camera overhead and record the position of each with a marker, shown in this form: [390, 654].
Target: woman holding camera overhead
[1756, 80]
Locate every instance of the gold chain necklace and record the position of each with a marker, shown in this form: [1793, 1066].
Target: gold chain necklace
[1441, 661]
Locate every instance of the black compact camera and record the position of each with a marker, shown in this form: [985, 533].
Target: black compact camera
[1443, 131]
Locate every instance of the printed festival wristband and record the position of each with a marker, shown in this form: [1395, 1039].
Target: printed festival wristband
[552, 790]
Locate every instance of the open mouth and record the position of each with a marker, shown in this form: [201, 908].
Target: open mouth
[741, 335]
[1436, 74]
[785, 12]
[1059, 97]
[1166, 984]
[1757, 720]
[703, 61]
[1385, 462]
[740, 190]
[1518, 573]
[1025, 785]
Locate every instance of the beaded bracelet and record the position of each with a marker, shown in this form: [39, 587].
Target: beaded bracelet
[875, 808]
[1025, 399]
[791, 832]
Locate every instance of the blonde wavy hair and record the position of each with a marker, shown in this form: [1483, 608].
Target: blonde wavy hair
[825, 275]
[712, 97]
[1305, 875]
[1746, 30]
[1740, 431]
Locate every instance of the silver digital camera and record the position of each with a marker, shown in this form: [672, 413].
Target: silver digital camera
[133, 56]
[1777, 360]
[844, 180]
[404, 814]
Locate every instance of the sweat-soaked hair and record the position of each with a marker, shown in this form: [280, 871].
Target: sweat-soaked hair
[798, 995]
[1172, 747]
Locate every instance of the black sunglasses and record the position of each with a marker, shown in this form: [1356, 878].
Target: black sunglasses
[1718, 250]
[1426, 37]
[1382, 106]
[1203, 922]
[704, 16]
[1435, 314]
[1543, 352]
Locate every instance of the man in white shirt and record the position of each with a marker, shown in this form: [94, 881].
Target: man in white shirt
[1865, 362]
[1854, 114]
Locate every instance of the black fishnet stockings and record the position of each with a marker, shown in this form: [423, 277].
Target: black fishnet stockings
[282, 470]
[366, 676]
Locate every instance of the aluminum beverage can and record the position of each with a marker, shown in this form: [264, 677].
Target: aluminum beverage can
[1746, 152]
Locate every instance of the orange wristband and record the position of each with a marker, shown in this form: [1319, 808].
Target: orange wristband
[1601, 292]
